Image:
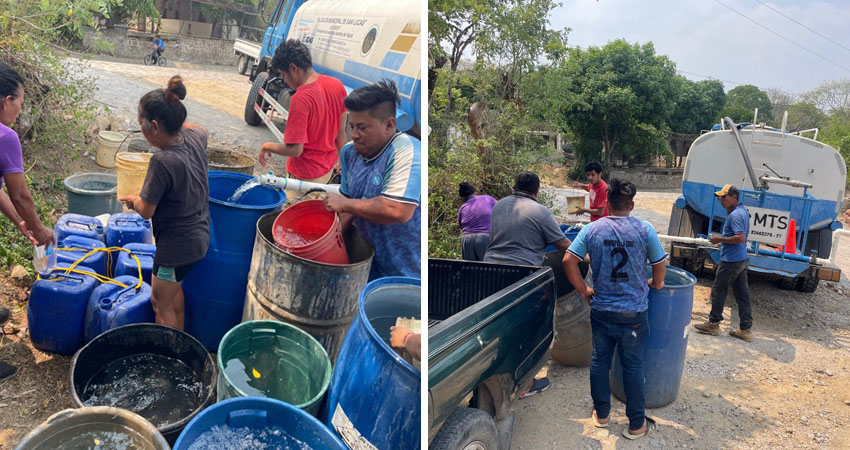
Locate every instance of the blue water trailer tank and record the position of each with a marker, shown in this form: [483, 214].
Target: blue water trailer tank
[57, 309]
[258, 414]
[664, 356]
[79, 246]
[126, 264]
[79, 225]
[373, 389]
[128, 228]
[215, 288]
[111, 306]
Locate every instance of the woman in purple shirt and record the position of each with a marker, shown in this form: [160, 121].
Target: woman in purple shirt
[474, 219]
[18, 204]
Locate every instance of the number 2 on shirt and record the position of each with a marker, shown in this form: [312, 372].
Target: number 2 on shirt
[616, 275]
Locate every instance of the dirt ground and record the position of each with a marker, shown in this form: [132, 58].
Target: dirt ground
[788, 388]
[40, 387]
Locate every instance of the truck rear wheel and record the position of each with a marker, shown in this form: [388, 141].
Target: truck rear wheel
[786, 283]
[808, 284]
[251, 116]
[242, 64]
[467, 429]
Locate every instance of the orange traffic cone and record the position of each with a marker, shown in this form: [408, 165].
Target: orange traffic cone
[791, 239]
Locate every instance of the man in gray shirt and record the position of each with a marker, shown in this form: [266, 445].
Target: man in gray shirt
[520, 230]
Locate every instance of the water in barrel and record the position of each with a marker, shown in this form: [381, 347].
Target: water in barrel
[162, 390]
[270, 372]
[224, 437]
[106, 435]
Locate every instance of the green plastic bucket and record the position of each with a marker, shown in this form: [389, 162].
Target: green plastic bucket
[92, 194]
[273, 359]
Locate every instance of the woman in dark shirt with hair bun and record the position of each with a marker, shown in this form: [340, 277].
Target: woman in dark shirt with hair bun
[175, 195]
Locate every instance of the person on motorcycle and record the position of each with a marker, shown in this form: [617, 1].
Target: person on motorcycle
[158, 48]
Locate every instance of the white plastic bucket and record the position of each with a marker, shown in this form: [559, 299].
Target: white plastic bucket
[107, 146]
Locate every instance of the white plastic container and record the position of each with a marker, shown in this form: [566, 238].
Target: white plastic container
[44, 258]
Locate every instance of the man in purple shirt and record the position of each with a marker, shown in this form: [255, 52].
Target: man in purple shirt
[474, 219]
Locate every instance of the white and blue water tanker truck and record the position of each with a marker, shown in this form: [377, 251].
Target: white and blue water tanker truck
[790, 183]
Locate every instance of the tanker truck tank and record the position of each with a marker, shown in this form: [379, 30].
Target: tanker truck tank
[359, 43]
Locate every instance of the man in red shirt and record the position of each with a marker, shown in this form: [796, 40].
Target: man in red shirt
[315, 129]
[598, 192]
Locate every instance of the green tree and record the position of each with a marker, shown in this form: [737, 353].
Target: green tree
[804, 116]
[750, 97]
[119, 11]
[610, 94]
[698, 105]
[831, 97]
[738, 114]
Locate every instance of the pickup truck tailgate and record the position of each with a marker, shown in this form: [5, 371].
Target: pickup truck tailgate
[485, 320]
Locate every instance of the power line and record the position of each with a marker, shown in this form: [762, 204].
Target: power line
[783, 37]
[804, 26]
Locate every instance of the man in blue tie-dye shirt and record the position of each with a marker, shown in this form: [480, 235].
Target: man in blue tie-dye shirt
[620, 248]
[380, 187]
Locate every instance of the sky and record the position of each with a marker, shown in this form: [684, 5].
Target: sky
[706, 38]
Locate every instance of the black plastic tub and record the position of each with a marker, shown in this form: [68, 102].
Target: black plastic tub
[153, 343]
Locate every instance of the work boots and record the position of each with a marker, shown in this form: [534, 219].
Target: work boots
[708, 328]
[744, 335]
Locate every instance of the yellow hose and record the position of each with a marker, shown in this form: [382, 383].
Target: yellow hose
[103, 279]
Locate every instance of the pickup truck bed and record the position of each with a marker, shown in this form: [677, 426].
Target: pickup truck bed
[490, 330]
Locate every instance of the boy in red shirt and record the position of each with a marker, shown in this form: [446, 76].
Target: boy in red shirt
[315, 129]
[598, 192]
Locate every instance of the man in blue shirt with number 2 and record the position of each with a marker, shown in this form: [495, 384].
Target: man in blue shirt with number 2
[620, 248]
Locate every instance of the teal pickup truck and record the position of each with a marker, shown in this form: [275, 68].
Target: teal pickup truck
[489, 332]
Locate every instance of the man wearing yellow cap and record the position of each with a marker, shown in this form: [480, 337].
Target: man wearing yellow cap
[732, 268]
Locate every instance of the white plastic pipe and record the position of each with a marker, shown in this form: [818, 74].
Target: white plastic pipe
[294, 184]
[707, 243]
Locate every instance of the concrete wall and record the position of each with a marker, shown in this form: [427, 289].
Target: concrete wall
[135, 45]
[650, 177]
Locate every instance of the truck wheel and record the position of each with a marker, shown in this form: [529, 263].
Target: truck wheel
[786, 283]
[467, 429]
[251, 116]
[242, 64]
[695, 266]
[808, 284]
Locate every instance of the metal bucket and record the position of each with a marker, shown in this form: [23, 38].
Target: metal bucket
[110, 426]
[318, 298]
[92, 194]
[229, 161]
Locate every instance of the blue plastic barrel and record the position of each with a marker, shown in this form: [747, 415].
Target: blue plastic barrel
[79, 246]
[664, 355]
[570, 232]
[126, 264]
[128, 228]
[257, 414]
[111, 306]
[373, 389]
[79, 225]
[57, 308]
[215, 288]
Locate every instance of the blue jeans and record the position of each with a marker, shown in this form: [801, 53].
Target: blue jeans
[627, 333]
